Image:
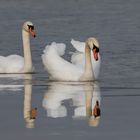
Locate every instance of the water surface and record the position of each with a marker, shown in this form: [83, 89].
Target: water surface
[63, 108]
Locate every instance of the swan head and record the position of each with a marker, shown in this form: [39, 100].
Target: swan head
[29, 27]
[93, 44]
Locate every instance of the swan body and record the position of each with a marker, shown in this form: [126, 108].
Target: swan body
[15, 63]
[81, 67]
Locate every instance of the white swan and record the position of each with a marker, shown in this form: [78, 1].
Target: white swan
[82, 67]
[15, 63]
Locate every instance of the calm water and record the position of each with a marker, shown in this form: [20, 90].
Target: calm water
[64, 109]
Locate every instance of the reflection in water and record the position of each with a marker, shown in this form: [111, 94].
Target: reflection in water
[92, 93]
[85, 100]
[5, 79]
[29, 113]
[85, 97]
[12, 76]
[11, 87]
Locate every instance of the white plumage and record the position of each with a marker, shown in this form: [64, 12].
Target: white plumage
[11, 64]
[15, 63]
[62, 70]
[79, 57]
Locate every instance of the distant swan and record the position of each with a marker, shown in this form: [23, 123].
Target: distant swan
[84, 66]
[15, 63]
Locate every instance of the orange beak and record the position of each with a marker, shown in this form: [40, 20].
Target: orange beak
[95, 54]
[32, 32]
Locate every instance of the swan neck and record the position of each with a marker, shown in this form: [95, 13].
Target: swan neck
[27, 52]
[88, 65]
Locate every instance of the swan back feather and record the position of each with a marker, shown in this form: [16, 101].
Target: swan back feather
[11, 64]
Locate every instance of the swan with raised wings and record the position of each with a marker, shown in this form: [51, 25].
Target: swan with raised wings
[18, 64]
[84, 65]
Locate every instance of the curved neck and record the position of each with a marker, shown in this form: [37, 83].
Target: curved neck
[27, 52]
[88, 73]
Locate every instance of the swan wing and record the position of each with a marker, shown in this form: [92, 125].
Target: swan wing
[79, 46]
[78, 58]
[57, 67]
[11, 64]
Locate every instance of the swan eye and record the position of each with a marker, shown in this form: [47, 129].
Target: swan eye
[31, 27]
[97, 49]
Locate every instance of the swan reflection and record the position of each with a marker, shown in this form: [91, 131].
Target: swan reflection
[29, 113]
[85, 99]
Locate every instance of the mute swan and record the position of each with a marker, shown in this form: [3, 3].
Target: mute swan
[82, 67]
[15, 63]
